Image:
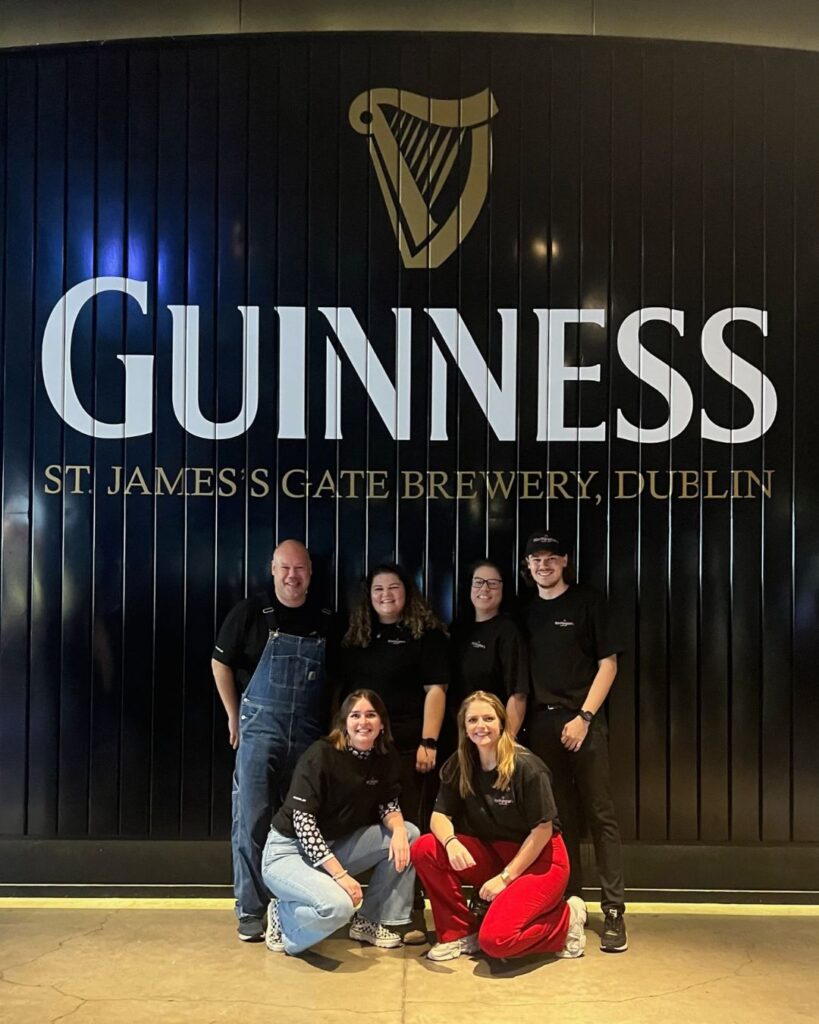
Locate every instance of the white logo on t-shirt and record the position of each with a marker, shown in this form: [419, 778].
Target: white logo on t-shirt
[563, 622]
[478, 645]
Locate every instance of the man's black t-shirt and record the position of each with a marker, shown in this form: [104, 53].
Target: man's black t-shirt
[490, 656]
[494, 814]
[398, 667]
[245, 630]
[342, 791]
[568, 636]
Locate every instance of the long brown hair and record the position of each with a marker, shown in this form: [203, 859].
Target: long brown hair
[468, 761]
[417, 616]
[338, 733]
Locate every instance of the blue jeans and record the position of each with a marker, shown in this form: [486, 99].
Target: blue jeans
[283, 710]
[313, 906]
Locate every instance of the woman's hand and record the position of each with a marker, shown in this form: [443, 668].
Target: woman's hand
[459, 857]
[424, 759]
[491, 888]
[399, 848]
[233, 729]
[352, 888]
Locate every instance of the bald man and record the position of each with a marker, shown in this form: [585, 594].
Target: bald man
[269, 668]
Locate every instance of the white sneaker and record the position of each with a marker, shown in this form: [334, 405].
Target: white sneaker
[273, 938]
[576, 936]
[452, 950]
[376, 934]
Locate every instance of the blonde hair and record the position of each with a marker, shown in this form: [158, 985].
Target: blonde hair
[468, 761]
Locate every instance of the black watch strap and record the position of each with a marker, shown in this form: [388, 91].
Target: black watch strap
[587, 716]
[429, 743]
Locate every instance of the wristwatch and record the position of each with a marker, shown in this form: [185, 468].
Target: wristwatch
[587, 716]
[504, 877]
[429, 743]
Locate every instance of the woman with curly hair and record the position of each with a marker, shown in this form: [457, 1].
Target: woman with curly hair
[495, 828]
[397, 647]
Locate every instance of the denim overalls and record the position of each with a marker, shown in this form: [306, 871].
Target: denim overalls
[282, 711]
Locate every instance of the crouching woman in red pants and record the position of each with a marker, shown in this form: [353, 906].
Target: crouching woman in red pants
[495, 828]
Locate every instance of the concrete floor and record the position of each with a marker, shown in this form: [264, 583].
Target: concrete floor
[116, 961]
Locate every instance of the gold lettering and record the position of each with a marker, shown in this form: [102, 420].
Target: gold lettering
[227, 477]
[709, 485]
[752, 478]
[557, 482]
[413, 479]
[531, 478]
[202, 481]
[652, 484]
[54, 475]
[115, 489]
[437, 481]
[325, 484]
[500, 483]
[621, 475]
[584, 484]
[466, 479]
[136, 481]
[161, 478]
[286, 483]
[351, 475]
[689, 483]
[77, 471]
[258, 478]
[376, 482]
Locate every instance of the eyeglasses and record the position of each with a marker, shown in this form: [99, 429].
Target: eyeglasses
[479, 581]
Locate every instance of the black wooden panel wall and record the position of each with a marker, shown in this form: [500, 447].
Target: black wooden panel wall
[225, 173]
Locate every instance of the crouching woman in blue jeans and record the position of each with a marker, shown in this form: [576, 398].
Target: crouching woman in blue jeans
[342, 817]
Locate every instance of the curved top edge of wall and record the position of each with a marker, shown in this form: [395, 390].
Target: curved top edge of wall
[11, 42]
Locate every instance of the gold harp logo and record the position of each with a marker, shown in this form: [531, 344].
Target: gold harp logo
[418, 146]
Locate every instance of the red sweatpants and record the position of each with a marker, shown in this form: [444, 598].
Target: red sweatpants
[529, 916]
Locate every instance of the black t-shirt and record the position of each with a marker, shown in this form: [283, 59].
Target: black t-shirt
[493, 814]
[490, 656]
[398, 667]
[245, 630]
[568, 636]
[344, 792]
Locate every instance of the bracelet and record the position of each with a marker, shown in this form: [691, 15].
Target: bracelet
[448, 841]
[336, 878]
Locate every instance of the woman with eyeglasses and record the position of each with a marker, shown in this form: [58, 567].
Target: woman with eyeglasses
[489, 649]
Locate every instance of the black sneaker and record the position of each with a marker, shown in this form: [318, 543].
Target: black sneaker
[614, 938]
[251, 929]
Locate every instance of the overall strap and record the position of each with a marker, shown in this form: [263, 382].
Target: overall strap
[269, 612]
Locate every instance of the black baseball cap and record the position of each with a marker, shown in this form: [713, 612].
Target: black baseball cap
[543, 540]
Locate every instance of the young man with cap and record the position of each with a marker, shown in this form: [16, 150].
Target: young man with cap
[573, 664]
[269, 668]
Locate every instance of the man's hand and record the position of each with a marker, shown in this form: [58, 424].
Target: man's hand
[424, 759]
[574, 733]
[233, 730]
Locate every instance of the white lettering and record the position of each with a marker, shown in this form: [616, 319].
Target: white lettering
[56, 355]
[553, 374]
[659, 375]
[740, 374]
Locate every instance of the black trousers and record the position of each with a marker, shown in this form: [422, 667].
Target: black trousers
[581, 783]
